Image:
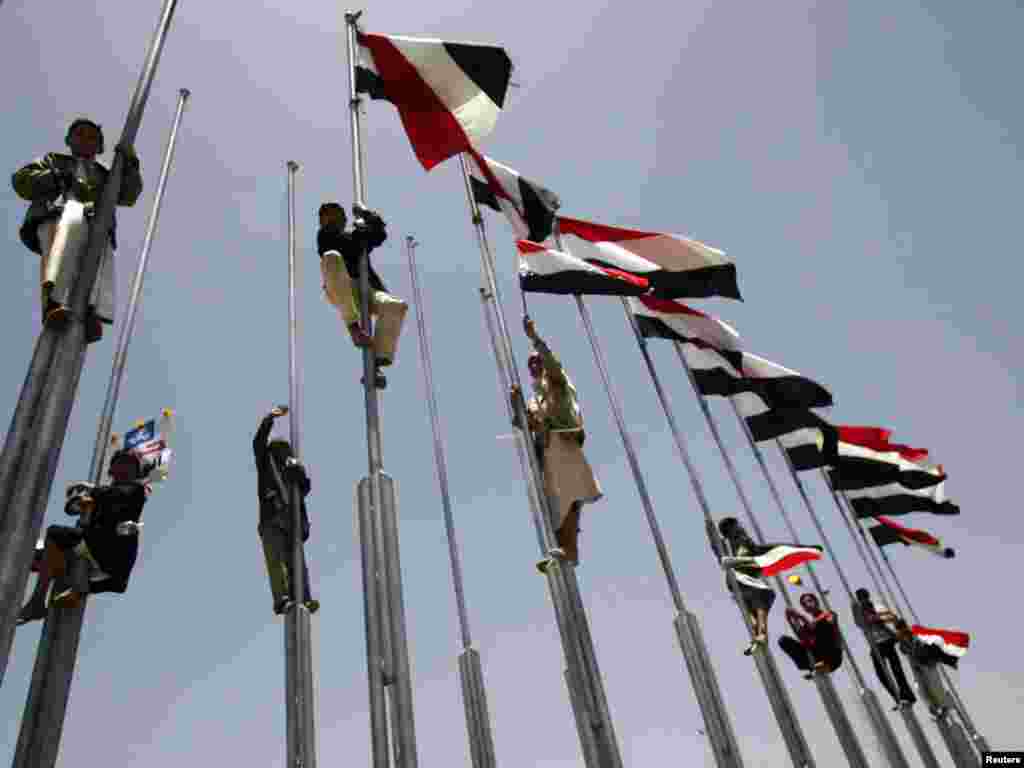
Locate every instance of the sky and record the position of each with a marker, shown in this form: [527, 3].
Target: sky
[860, 163]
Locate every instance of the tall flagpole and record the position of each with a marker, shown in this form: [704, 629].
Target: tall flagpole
[876, 717]
[583, 676]
[32, 447]
[299, 697]
[823, 682]
[474, 696]
[377, 510]
[716, 719]
[43, 719]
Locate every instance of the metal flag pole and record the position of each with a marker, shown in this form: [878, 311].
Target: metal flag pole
[40, 422]
[908, 714]
[876, 717]
[583, 676]
[474, 695]
[43, 719]
[300, 705]
[698, 664]
[829, 698]
[377, 508]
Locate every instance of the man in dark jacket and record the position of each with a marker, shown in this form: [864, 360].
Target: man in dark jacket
[277, 473]
[64, 190]
[340, 255]
[106, 537]
[818, 646]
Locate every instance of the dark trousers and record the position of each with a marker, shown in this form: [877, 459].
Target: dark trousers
[277, 552]
[826, 650]
[886, 652]
[795, 650]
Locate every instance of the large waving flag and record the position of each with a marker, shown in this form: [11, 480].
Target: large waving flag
[896, 499]
[782, 557]
[889, 532]
[545, 270]
[529, 207]
[668, 319]
[952, 643]
[448, 95]
[676, 266]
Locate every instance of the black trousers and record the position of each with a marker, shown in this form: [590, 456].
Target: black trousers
[825, 645]
[886, 652]
[277, 552]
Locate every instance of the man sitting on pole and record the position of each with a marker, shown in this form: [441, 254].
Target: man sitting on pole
[106, 539]
[64, 191]
[818, 646]
[277, 469]
[873, 619]
[340, 255]
[556, 422]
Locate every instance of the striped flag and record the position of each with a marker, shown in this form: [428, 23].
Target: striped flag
[783, 557]
[676, 266]
[529, 207]
[952, 643]
[668, 319]
[889, 532]
[448, 95]
[545, 270]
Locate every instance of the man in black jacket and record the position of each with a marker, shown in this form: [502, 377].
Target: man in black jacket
[340, 255]
[277, 471]
[64, 190]
[106, 537]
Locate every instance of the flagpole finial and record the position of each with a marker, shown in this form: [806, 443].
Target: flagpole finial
[352, 17]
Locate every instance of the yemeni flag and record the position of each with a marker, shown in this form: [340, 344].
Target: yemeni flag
[545, 270]
[877, 439]
[952, 643]
[858, 468]
[676, 266]
[895, 499]
[668, 319]
[529, 207]
[448, 95]
[889, 532]
[782, 557]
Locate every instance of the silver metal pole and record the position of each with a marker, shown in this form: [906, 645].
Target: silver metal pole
[386, 566]
[830, 699]
[300, 706]
[879, 723]
[921, 743]
[43, 720]
[478, 727]
[598, 743]
[40, 449]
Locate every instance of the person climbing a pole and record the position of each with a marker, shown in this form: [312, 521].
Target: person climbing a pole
[924, 660]
[874, 621]
[817, 646]
[64, 191]
[556, 423]
[107, 538]
[756, 594]
[340, 254]
[277, 471]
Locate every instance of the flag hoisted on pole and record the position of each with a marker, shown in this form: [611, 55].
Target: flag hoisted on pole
[43, 718]
[388, 669]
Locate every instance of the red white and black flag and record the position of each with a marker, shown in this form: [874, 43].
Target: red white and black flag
[776, 558]
[529, 207]
[889, 532]
[546, 270]
[895, 499]
[668, 319]
[676, 266]
[448, 95]
[952, 643]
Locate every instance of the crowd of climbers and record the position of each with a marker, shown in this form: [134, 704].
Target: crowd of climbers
[64, 189]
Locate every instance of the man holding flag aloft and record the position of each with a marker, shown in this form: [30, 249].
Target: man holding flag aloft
[556, 422]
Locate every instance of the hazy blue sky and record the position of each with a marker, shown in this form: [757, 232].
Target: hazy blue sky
[861, 163]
